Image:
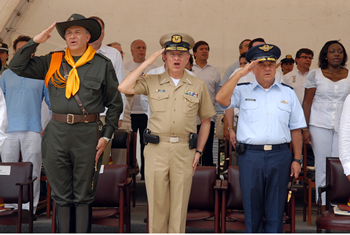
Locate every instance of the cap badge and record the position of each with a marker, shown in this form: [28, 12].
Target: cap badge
[288, 56]
[266, 48]
[176, 39]
[71, 19]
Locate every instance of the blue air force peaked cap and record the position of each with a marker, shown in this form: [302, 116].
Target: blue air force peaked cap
[265, 52]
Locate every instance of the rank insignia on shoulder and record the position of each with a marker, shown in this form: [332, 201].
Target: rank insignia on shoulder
[160, 91]
[191, 93]
[284, 102]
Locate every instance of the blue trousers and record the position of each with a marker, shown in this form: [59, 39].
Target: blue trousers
[264, 177]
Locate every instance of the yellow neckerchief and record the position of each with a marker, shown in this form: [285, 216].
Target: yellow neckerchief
[72, 84]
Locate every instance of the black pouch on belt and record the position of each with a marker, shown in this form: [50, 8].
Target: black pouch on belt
[148, 138]
[240, 148]
[193, 141]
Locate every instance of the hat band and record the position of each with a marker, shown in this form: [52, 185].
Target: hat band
[264, 58]
[176, 49]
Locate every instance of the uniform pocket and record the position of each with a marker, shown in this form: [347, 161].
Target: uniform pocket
[190, 105]
[92, 86]
[251, 110]
[158, 102]
[284, 113]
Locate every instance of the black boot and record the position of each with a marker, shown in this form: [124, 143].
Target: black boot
[83, 214]
[64, 217]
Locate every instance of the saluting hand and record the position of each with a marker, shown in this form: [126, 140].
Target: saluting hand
[44, 35]
[150, 60]
[248, 67]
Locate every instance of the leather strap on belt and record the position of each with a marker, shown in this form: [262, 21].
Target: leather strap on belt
[173, 139]
[266, 147]
[72, 118]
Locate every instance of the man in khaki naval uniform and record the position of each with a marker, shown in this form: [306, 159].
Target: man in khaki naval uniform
[175, 99]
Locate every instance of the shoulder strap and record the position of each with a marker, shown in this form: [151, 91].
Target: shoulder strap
[81, 106]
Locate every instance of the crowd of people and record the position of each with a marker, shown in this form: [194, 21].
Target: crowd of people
[89, 96]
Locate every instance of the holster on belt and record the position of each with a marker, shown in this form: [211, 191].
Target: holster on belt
[149, 138]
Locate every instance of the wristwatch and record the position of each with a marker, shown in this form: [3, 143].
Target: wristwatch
[200, 152]
[300, 161]
[230, 127]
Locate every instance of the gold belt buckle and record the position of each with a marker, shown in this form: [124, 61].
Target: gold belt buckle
[174, 139]
[70, 115]
[267, 147]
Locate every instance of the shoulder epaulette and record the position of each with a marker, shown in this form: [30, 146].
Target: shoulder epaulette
[287, 85]
[244, 83]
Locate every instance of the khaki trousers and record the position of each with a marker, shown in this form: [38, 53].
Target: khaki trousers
[168, 177]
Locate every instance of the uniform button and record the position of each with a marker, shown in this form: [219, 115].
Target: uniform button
[267, 102]
[174, 110]
[268, 113]
[173, 121]
[268, 124]
[171, 162]
[174, 98]
[268, 135]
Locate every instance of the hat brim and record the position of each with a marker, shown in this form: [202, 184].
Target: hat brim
[91, 25]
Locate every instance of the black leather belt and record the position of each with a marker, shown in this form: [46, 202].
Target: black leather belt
[266, 147]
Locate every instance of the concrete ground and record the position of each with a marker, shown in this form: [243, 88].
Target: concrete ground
[138, 214]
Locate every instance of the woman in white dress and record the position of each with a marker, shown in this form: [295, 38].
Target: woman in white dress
[326, 89]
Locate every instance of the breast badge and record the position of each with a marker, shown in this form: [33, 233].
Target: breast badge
[284, 102]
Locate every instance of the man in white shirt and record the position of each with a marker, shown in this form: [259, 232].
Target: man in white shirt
[297, 77]
[117, 46]
[3, 120]
[243, 48]
[211, 76]
[138, 117]
[116, 59]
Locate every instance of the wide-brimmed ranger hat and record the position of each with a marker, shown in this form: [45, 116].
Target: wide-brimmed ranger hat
[91, 25]
[176, 42]
[265, 52]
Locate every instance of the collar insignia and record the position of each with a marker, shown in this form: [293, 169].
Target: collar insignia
[265, 48]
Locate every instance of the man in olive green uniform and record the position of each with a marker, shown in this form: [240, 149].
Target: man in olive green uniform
[74, 139]
[175, 99]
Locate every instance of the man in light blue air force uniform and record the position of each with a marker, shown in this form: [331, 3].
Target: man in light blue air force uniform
[270, 116]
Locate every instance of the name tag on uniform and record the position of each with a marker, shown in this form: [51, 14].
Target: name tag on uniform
[250, 99]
